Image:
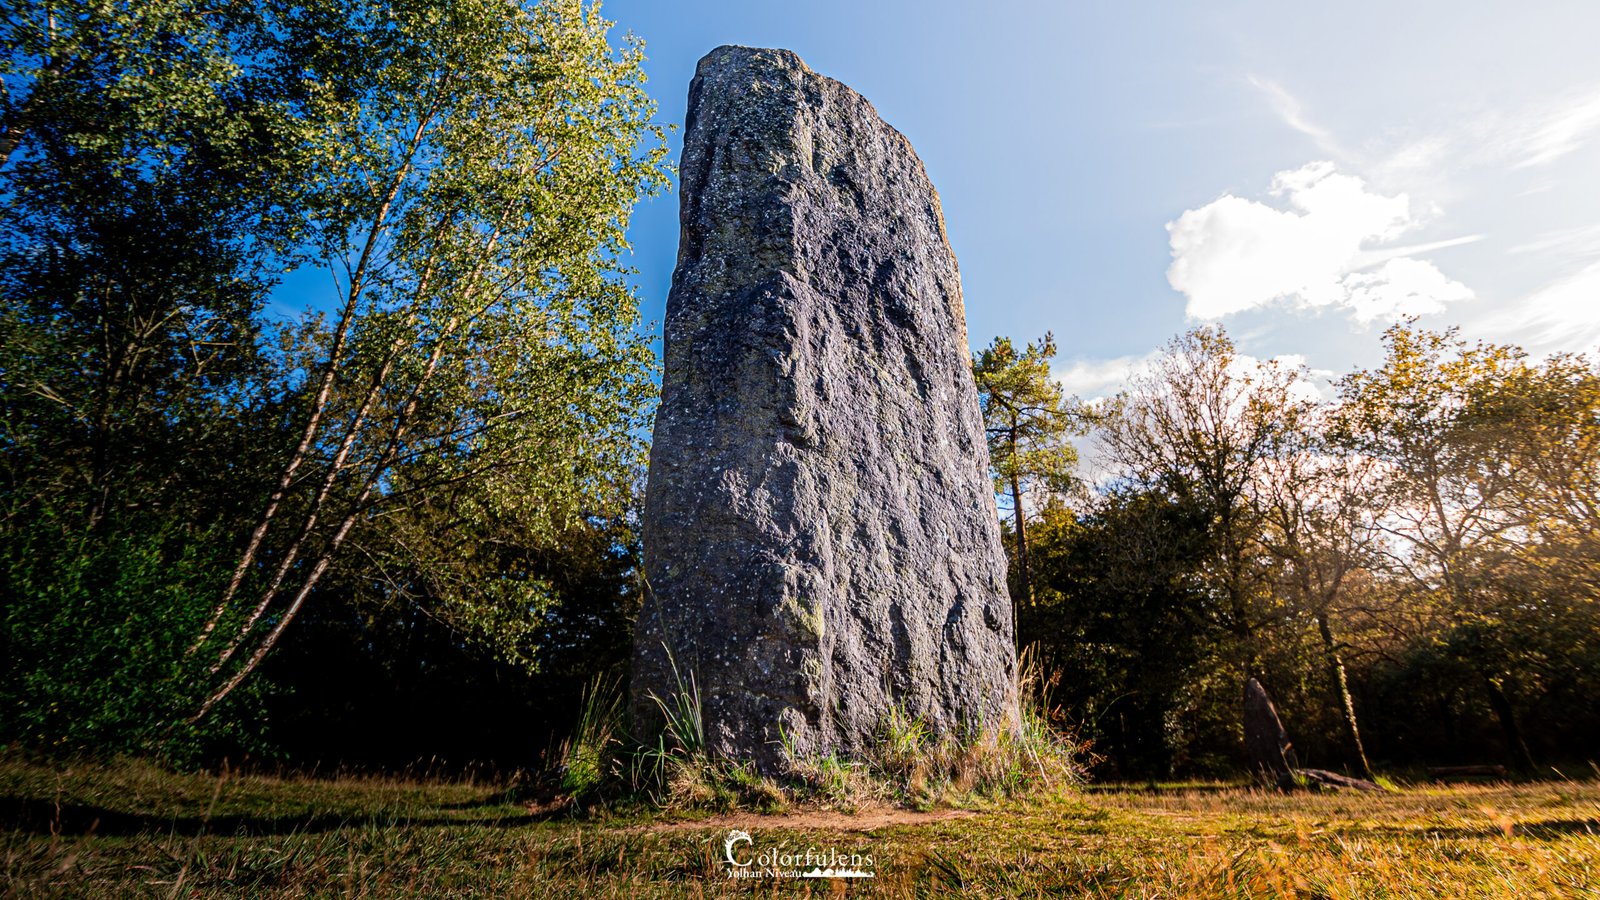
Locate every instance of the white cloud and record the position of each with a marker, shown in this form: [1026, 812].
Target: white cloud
[1096, 379]
[1401, 287]
[1311, 385]
[1233, 254]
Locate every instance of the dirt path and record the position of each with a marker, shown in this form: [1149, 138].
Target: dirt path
[834, 820]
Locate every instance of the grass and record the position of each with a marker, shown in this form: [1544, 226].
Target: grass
[131, 829]
[906, 762]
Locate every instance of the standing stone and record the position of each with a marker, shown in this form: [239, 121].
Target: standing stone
[820, 532]
[1272, 757]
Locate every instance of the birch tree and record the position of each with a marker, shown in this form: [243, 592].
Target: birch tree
[475, 171]
[1320, 511]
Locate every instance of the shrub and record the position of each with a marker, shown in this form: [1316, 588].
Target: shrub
[93, 632]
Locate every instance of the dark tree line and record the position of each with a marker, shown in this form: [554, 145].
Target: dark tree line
[1410, 566]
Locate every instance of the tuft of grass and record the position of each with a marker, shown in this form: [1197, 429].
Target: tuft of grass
[834, 782]
[587, 756]
[698, 782]
[903, 744]
[911, 763]
[678, 773]
[683, 713]
[908, 762]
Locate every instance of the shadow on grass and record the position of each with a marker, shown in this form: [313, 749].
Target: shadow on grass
[498, 798]
[50, 817]
[1176, 788]
[1555, 828]
[1549, 830]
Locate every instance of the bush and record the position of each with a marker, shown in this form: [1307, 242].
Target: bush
[93, 633]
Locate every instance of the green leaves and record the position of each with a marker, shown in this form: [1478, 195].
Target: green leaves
[1028, 420]
[1028, 425]
[485, 378]
[475, 391]
[93, 630]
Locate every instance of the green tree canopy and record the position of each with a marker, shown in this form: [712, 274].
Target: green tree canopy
[1203, 426]
[146, 210]
[1488, 464]
[1029, 424]
[463, 171]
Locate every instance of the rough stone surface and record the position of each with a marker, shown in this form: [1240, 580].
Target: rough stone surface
[1272, 757]
[820, 533]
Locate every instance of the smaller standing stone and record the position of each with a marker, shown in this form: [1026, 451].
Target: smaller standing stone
[1272, 759]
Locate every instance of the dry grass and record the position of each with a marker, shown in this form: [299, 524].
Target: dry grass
[130, 829]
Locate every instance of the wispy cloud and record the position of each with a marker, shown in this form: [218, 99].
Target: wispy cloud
[1562, 315]
[1558, 130]
[1292, 112]
[1530, 136]
[1533, 135]
[1368, 258]
[1417, 154]
[1564, 243]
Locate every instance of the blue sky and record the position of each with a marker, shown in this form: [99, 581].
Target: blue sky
[1119, 172]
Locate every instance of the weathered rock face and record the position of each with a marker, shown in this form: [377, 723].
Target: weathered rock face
[820, 532]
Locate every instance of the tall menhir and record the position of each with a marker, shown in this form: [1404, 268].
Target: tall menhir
[820, 533]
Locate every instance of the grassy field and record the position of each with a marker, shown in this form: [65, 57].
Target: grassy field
[129, 829]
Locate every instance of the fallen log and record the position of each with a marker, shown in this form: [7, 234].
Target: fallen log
[1320, 779]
